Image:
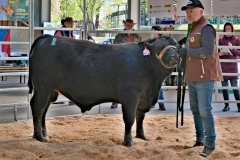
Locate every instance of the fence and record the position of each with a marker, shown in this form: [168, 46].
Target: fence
[15, 71]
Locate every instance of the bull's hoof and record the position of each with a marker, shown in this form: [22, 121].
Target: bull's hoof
[42, 139]
[127, 144]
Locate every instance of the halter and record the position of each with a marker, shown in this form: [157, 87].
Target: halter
[163, 51]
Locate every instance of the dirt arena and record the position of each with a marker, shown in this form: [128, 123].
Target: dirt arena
[100, 137]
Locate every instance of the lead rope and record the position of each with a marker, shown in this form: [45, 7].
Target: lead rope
[181, 96]
[181, 109]
[179, 86]
[181, 90]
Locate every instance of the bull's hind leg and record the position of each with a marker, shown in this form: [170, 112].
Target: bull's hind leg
[53, 98]
[44, 130]
[39, 104]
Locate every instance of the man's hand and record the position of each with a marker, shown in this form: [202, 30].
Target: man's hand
[182, 52]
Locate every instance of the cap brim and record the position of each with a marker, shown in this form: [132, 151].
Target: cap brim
[185, 7]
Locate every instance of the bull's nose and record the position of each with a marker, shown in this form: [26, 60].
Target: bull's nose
[173, 59]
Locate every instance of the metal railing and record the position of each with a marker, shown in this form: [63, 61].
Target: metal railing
[108, 31]
[215, 100]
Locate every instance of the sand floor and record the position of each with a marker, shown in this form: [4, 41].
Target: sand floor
[100, 137]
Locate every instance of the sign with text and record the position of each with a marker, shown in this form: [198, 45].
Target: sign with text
[226, 7]
[205, 3]
[14, 9]
[160, 8]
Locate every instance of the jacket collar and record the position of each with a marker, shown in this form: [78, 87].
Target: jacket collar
[201, 20]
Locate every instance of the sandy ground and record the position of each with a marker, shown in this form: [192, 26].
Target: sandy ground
[100, 137]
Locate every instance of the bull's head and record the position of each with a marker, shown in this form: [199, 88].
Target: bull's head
[165, 48]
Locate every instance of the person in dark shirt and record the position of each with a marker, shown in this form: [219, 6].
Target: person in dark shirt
[66, 23]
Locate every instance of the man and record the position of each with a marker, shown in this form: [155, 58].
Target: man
[126, 38]
[202, 69]
[66, 23]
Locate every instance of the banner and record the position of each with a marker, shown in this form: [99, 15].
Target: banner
[12, 9]
[160, 8]
[226, 7]
[5, 36]
[206, 4]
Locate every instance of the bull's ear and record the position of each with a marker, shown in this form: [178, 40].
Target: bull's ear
[144, 45]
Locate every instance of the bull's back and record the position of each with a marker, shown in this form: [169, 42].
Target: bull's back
[65, 61]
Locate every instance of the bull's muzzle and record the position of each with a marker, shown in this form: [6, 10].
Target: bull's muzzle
[172, 58]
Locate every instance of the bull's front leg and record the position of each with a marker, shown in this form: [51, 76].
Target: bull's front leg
[140, 132]
[129, 107]
[128, 120]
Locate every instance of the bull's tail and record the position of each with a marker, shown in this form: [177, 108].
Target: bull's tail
[30, 85]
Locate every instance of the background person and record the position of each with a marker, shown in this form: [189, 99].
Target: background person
[126, 38]
[66, 23]
[229, 67]
[161, 93]
[202, 69]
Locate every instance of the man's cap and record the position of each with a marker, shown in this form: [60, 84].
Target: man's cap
[129, 21]
[192, 4]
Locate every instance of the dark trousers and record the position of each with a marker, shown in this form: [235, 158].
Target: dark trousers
[234, 83]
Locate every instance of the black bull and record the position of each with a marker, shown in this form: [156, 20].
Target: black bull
[89, 74]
